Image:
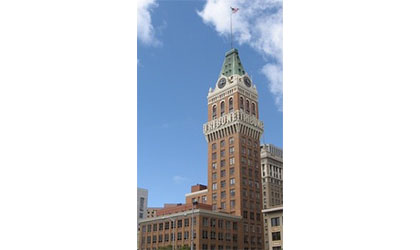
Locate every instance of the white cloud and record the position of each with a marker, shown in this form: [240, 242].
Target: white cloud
[259, 24]
[145, 29]
[179, 179]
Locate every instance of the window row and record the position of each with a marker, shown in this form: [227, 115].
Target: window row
[250, 142]
[250, 108]
[167, 237]
[257, 217]
[222, 143]
[223, 163]
[165, 225]
[246, 237]
[220, 223]
[223, 183]
[213, 247]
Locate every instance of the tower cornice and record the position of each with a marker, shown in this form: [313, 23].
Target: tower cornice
[233, 122]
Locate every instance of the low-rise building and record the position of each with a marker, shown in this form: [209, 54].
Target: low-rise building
[188, 224]
[273, 223]
[198, 194]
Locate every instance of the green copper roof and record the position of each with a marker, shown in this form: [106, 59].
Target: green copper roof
[232, 64]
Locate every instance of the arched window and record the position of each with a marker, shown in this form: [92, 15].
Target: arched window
[253, 108]
[214, 111]
[222, 108]
[247, 106]
[241, 103]
[230, 104]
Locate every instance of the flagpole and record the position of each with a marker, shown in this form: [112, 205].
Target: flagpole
[231, 44]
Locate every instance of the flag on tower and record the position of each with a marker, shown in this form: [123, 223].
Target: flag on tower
[234, 10]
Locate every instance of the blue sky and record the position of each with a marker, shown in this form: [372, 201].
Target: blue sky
[181, 47]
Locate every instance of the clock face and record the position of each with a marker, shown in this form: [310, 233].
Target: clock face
[247, 81]
[221, 83]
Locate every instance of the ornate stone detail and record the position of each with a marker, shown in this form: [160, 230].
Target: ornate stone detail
[231, 123]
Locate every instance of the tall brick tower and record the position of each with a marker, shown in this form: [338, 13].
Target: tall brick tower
[233, 134]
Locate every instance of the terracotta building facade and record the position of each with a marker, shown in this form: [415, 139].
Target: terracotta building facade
[233, 134]
[225, 214]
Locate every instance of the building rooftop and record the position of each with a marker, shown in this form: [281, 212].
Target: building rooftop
[232, 64]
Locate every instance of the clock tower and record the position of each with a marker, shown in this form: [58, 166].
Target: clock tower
[233, 134]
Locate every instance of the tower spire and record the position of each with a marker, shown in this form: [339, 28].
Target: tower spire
[232, 64]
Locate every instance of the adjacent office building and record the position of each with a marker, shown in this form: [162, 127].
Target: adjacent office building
[272, 183]
[272, 175]
[273, 227]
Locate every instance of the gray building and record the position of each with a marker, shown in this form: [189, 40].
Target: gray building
[142, 195]
[272, 175]
[272, 184]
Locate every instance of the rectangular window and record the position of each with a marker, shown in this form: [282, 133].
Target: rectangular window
[179, 223]
[204, 199]
[232, 192]
[275, 236]
[231, 161]
[222, 143]
[235, 226]
[223, 194]
[222, 153]
[231, 150]
[213, 156]
[220, 223]
[231, 171]
[186, 235]
[223, 173]
[222, 163]
[186, 222]
[245, 214]
[212, 235]
[204, 247]
[223, 184]
[166, 225]
[214, 186]
[213, 222]
[160, 238]
[149, 228]
[228, 225]
[275, 222]
[231, 140]
[213, 146]
[160, 226]
[214, 197]
[228, 237]
[166, 237]
[179, 236]
[232, 204]
[220, 236]
[205, 236]
[154, 239]
[214, 165]
[214, 176]
[232, 181]
[223, 205]
[235, 237]
[251, 215]
[205, 221]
